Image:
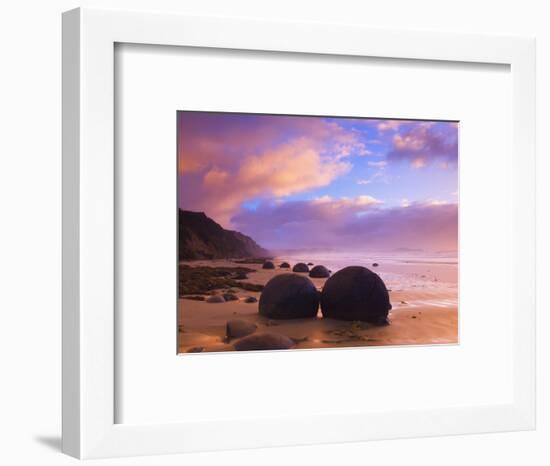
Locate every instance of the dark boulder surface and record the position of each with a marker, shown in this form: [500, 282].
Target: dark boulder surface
[289, 296]
[375, 264]
[238, 328]
[230, 297]
[264, 341]
[250, 299]
[215, 299]
[300, 267]
[310, 263]
[268, 265]
[285, 265]
[319, 271]
[356, 293]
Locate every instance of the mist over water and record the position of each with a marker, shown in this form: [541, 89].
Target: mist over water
[399, 270]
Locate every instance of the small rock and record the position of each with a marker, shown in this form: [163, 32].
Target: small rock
[268, 265]
[285, 265]
[310, 263]
[230, 297]
[215, 299]
[195, 298]
[301, 268]
[375, 264]
[413, 317]
[404, 302]
[195, 349]
[250, 299]
[237, 328]
[241, 276]
[319, 271]
[264, 341]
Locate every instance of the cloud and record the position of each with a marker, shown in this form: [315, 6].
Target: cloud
[347, 202]
[227, 160]
[386, 125]
[346, 224]
[424, 143]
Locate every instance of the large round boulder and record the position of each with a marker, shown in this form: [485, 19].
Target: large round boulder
[319, 271]
[356, 293]
[264, 341]
[285, 265]
[289, 296]
[300, 267]
[268, 265]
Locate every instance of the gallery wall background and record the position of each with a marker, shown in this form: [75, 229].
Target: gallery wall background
[30, 237]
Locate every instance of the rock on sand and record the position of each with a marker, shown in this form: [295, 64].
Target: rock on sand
[215, 299]
[230, 297]
[356, 293]
[238, 328]
[285, 265]
[300, 267]
[264, 341]
[289, 296]
[319, 271]
[268, 265]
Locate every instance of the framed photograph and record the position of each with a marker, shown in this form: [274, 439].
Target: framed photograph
[273, 237]
[373, 202]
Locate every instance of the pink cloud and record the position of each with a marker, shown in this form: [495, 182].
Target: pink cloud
[226, 159]
[424, 143]
[386, 125]
[351, 225]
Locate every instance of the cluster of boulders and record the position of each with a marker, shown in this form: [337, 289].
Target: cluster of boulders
[353, 293]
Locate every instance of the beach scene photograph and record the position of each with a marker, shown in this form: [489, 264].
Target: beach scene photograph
[312, 232]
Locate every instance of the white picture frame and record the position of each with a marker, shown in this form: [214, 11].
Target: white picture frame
[89, 38]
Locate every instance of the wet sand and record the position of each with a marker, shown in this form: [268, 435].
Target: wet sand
[423, 294]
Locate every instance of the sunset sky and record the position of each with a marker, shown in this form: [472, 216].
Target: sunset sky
[318, 182]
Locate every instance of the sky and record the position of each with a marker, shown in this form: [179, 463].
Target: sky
[301, 182]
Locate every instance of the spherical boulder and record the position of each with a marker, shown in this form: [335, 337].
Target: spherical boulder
[215, 299]
[250, 299]
[264, 341]
[237, 328]
[285, 265]
[356, 293]
[310, 263]
[375, 264]
[300, 267]
[289, 296]
[268, 265]
[319, 271]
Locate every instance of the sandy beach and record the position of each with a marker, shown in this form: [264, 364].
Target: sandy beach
[423, 294]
